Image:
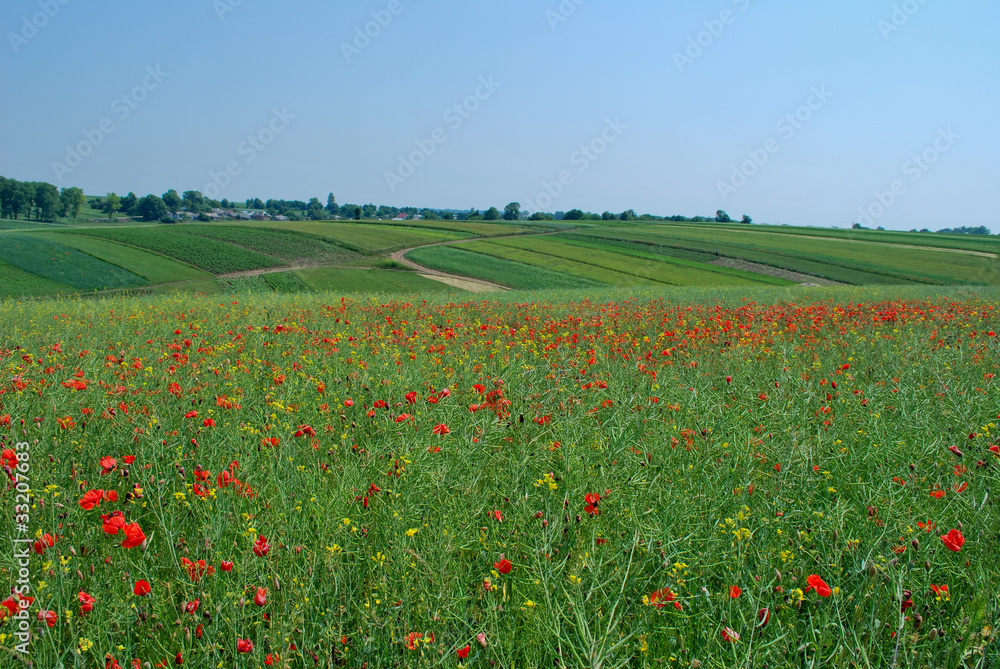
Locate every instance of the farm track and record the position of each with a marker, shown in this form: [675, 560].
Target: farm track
[456, 280]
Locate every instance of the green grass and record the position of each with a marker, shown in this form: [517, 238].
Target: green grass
[211, 255]
[644, 265]
[365, 238]
[457, 260]
[151, 266]
[285, 282]
[368, 280]
[586, 271]
[287, 245]
[63, 264]
[16, 282]
[856, 261]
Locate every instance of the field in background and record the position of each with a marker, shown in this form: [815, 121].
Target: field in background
[598, 477]
[48, 260]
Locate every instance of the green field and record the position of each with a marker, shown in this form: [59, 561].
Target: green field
[517, 275]
[153, 267]
[367, 238]
[284, 244]
[368, 280]
[522, 256]
[211, 255]
[63, 264]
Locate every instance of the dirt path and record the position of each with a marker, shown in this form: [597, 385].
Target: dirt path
[273, 270]
[463, 282]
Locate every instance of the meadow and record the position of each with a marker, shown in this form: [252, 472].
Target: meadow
[644, 477]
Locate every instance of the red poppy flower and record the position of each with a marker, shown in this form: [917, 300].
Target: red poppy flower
[108, 465]
[192, 606]
[411, 398]
[503, 566]
[940, 591]
[592, 499]
[142, 588]
[412, 638]
[955, 451]
[730, 635]
[244, 645]
[927, 527]
[208, 422]
[133, 535]
[261, 547]
[441, 429]
[197, 570]
[226, 565]
[261, 597]
[735, 591]
[498, 515]
[129, 459]
[403, 417]
[816, 583]
[763, 615]
[47, 541]
[662, 597]
[9, 458]
[270, 441]
[50, 617]
[953, 540]
[86, 602]
[463, 652]
[113, 522]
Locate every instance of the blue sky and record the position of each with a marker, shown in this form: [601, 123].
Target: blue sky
[610, 98]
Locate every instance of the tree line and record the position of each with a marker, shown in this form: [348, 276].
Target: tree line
[38, 200]
[41, 201]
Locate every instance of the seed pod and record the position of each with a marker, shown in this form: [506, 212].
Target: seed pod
[932, 634]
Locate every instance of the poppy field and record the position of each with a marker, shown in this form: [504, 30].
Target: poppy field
[752, 477]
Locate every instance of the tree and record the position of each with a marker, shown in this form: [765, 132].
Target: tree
[628, 215]
[492, 214]
[472, 215]
[46, 201]
[257, 204]
[315, 209]
[607, 216]
[194, 200]
[71, 201]
[541, 216]
[152, 208]
[512, 212]
[332, 207]
[225, 204]
[722, 217]
[357, 213]
[129, 203]
[746, 220]
[112, 204]
[573, 215]
[172, 200]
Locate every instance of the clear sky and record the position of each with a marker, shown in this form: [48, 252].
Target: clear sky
[667, 124]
